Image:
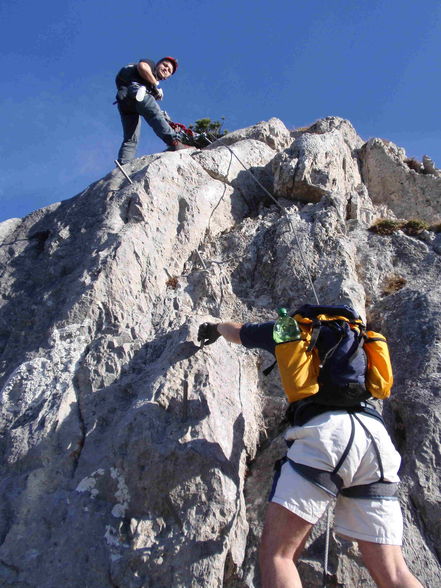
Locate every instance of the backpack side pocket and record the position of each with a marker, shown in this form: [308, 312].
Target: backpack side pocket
[298, 368]
[379, 377]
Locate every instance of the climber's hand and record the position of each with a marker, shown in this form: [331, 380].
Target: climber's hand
[208, 333]
[157, 93]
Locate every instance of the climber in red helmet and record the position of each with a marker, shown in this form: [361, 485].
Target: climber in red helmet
[138, 93]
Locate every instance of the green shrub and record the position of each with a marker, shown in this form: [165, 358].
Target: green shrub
[415, 227]
[412, 227]
[386, 226]
[206, 125]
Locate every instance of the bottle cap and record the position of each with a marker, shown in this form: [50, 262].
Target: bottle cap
[282, 312]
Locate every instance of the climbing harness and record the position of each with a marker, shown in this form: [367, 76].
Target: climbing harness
[332, 483]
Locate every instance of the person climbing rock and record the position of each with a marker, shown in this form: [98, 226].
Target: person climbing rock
[137, 96]
[334, 452]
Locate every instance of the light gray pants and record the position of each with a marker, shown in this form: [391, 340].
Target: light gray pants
[131, 111]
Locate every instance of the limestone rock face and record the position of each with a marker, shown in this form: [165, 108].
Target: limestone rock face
[389, 180]
[130, 456]
[321, 160]
[272, 132]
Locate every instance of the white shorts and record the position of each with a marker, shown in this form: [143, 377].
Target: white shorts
[320, 444]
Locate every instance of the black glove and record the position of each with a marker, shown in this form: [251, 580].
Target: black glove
[208, 333]
[157, 93]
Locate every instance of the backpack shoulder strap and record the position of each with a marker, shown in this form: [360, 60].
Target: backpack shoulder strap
[270, 368]
[315, 332]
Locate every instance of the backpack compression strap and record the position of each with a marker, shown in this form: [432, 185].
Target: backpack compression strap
[315, 332]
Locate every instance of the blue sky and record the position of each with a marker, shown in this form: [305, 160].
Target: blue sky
[376, 63]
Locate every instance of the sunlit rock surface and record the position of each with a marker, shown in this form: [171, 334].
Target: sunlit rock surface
[130, 457]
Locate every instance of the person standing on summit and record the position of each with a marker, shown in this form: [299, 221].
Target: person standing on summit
[138, 93]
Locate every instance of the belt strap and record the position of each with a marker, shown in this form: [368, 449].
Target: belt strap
[385, 490]
[332, 483]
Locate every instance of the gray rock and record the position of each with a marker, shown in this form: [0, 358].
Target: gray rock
[272, 132]
[429, 167]
[391, 181]
[131, 457]
[322, 160]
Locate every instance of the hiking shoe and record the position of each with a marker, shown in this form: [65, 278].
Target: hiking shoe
[140, 94]
[177, 146]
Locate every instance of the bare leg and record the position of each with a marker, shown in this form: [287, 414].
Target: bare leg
[386, 565]
[283, 539]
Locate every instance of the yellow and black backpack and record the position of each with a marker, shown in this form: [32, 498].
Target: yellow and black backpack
[336, 360]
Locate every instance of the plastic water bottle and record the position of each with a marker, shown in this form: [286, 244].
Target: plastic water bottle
[285, 328]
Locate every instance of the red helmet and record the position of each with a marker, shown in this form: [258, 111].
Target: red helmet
[172, 60]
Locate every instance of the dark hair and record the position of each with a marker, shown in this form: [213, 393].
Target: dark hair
[172, 60]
